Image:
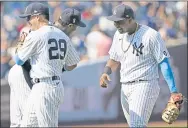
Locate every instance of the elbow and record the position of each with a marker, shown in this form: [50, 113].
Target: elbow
[72, 67]
[17, 60]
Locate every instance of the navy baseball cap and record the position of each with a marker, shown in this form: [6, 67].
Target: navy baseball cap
[121, 12]
[34, 9]
[71, 16]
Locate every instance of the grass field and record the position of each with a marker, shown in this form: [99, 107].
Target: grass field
[151, 124]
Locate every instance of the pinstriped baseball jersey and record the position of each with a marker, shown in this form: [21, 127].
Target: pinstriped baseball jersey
[19, 94]
[141, 59]
[49, 49]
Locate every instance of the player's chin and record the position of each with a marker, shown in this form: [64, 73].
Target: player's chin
[120, 30]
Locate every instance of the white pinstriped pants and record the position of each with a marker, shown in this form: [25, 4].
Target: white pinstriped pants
[43, 104]
[19, 92]
[138, 100]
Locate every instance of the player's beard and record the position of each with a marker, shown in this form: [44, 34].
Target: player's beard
[121, 30]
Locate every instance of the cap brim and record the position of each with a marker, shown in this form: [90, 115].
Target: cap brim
[82, 24]
[24, 15]
[115, 18]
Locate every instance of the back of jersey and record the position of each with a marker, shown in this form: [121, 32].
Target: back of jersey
[51, 53]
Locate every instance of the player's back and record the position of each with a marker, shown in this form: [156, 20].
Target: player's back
[50, 52]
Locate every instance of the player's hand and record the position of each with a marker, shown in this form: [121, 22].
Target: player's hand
[23, 36]
[178, 98]
[104, 80]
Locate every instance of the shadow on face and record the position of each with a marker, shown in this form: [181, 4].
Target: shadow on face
[123, 26]
[32, 22]
[67, 29]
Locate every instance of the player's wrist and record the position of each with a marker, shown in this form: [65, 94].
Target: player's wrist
[107, 70]
[173, 89]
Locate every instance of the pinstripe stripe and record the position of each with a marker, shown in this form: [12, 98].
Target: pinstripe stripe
[125, 103]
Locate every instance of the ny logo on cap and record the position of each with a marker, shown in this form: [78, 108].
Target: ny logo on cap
[35, 11]
[114, 12]
[74, 20]
[26, 9]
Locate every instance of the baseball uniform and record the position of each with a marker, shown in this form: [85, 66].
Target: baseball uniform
[139, 72]
[68, 18]
[19, 89]
[49, 49]
[139, 54]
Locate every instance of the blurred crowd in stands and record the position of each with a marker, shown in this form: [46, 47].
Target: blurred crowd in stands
[169, 18]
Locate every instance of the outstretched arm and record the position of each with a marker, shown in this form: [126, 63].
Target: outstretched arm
[110, 67]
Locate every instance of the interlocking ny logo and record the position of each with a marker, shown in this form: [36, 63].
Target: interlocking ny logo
[74, 20]
[114, 12]
[138, 50]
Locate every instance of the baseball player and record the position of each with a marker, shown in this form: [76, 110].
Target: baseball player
[139, 50]
[48, 49]
[19, 84]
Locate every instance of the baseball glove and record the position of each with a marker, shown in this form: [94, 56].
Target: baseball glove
[172, 110]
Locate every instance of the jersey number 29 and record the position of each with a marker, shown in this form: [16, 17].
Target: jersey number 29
[59, 50]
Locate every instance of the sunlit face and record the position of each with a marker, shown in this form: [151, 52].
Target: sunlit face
[33, 22]
[122, 26]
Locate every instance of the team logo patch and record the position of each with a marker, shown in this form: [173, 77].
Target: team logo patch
[138, 50]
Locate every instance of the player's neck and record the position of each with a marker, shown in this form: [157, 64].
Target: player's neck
[134, 28]
[41, 24]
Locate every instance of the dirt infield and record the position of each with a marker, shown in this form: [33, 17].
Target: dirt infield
[152, 124]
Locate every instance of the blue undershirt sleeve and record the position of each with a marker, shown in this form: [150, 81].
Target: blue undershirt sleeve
[168, 74]
[17, 60]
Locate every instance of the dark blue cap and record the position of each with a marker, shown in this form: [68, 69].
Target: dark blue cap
[34, 9]
[121, 12]
[71, 16]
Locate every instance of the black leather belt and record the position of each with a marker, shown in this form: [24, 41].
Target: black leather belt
[135, 81]
[38, 80]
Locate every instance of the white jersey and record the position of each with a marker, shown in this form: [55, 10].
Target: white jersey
[49, 49]
[19, 92]
[141, 60]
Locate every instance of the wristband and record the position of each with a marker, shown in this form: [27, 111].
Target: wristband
[107, 70]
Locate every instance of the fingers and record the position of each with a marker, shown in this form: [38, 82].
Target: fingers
[23, 36]
[103, 83]
[104, 80]
[108, 78]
